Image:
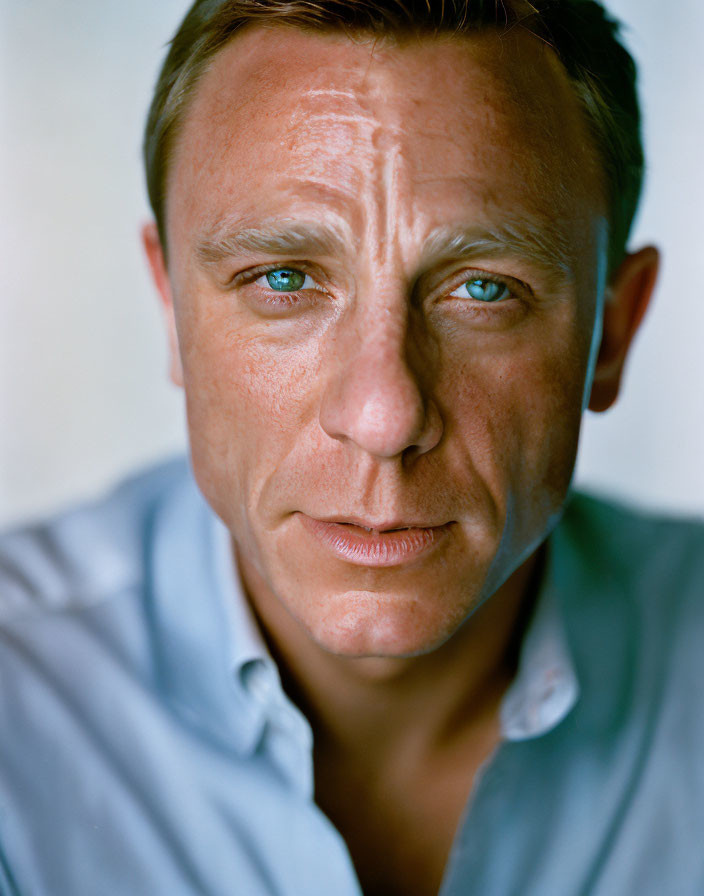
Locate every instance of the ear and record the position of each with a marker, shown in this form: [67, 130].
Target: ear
[627, 299]
[160, 275]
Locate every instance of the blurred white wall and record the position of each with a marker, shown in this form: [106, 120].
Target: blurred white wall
[83, 390]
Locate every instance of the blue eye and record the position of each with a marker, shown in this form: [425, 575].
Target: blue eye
[486, 290]
[482, 290]
[286, 279]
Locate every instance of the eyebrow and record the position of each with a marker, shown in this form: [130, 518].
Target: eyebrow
[282, 238]
[540, 243]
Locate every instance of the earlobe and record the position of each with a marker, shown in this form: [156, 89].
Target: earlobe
[160, 275]
[627, 300]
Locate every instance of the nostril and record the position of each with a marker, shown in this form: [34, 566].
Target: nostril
[382, 422]
[376, 399]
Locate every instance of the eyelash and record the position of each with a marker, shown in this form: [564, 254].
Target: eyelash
[516, 288]
[467, 276]
[273, 298]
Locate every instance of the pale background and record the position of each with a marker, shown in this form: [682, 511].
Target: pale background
[84, 396]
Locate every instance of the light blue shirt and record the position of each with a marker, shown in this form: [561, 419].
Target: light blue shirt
[147, 747]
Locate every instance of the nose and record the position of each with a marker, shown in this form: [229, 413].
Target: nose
[376, 397]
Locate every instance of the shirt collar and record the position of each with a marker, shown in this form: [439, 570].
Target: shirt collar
[542, 694]
[253, 670]
[546, 687]
[213, 663]
[189, 614]
[247, 643]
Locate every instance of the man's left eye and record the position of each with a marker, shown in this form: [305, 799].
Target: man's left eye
[482, 290]
[288, 280]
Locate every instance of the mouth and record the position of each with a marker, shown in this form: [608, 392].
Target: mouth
[379, 527]
[375, 544]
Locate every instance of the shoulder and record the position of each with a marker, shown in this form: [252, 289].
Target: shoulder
[84, 700]
[640, 572]
[632, 589]
[646, 555]
[635, 617]
[83, 556]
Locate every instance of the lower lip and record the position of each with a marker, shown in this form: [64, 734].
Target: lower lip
[378, 549]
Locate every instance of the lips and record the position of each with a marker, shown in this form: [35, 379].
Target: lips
[374, 544]
[370, 526]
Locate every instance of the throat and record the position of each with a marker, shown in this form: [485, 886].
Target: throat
[413, 806]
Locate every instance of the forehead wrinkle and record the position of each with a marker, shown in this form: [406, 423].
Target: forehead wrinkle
[279, 237]
[330, 91]
[545, 246]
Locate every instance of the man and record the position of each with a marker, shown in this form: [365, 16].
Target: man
[387, 653]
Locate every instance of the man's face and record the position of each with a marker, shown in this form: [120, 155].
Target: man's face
[385, 263]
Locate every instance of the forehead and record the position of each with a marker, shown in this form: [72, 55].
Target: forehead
[324, 118]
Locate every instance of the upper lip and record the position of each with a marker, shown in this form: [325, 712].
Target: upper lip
[379, 525]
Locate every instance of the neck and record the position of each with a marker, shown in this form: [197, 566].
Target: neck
[421, 703]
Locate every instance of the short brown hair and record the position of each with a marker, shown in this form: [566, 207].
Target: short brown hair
[584, 37]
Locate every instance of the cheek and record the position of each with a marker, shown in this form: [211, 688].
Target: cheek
[248, 403]
[519, 410]
[550, 428]
[239, 381]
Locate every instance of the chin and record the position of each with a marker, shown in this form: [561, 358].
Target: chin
[372, 624]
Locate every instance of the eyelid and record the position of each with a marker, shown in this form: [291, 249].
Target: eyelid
[253, 274]
[518, 288]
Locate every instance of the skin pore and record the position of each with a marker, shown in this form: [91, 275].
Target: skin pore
[438, 207]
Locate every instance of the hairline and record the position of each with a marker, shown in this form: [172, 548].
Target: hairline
[187, 95]
[616, 146]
